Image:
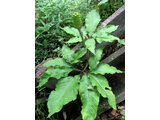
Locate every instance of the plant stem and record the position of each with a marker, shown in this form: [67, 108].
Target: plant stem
[85, 67]
[76, 69]
[79, 29]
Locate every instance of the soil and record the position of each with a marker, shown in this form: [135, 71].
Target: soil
[109, 49]
[111, 114]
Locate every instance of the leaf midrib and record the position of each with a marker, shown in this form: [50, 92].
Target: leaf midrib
[69, 85]
[99, 85]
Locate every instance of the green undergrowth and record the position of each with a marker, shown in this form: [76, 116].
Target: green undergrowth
[50, 17]
[109, 8]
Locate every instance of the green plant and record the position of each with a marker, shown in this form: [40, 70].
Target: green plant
[102, 2]
[109, 7]
[49, 18]
[73, 75]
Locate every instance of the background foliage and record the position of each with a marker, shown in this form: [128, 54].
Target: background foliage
[109, 8]
[50, 16]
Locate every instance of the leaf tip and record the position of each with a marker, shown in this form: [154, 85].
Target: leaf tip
[49, 115]
[38, 86]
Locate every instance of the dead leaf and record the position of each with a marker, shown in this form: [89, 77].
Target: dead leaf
[113, 112]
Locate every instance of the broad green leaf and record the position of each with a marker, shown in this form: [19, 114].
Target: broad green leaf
[80, 53]
[67, 54]
[57, 62]
[103, 34]
[74, 40]
[59, 72]
[71, 30]
[111, 99]
[121, 42]
[94, 60]
[91, 21]
[105, 68]
[65, 92]
[101, 83]
[99, 34]
[106, 37]
[89, 98]
[43, 80]
[102, 2]
[55, 73]
[90, 45]
[110, 28]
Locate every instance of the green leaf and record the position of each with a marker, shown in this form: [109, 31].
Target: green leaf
[89, 98]
[67, 54]
[45, 43]
[103, 34]
[55, 73]
[71, 30]
[102, 2]
[100, 82]
[91, 21]
[80, 53]
[121, 42]
[94, 60]
[111, 99]
[111, 28]
[105, 37]
[100, 33]
[65, 92]
[90, 45]
[74, 40]
[105, 68]
[59, 72]
[43, 80]
[57, 62]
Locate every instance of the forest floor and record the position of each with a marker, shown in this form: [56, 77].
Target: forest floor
[111, 114]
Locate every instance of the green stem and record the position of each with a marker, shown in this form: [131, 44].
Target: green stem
[85, 67]
[79, 29]
[76, 69]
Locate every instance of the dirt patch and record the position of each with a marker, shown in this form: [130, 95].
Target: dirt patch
[111, 114]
